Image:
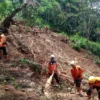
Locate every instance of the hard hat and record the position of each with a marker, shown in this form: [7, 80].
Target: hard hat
[72, 63]
[92, 79]
[52, 56]
[2, 35]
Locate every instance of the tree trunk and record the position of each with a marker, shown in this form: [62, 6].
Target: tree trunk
[9, 20]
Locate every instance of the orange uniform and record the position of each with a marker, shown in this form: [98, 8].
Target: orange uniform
[94, 83]
[52, 67]
[77, 73]
[3, 46]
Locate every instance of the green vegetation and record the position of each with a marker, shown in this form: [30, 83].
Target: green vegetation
[69, 16]
[34, 66]
[6, 80]
[79, 42]
[6, 7]
[97, 60]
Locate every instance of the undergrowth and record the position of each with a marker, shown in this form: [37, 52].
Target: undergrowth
[79, 43]
[34, 66]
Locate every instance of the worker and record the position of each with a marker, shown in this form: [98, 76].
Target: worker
[53, 67]
[3, 45]
[46, 29]
[76, 72]
[94, 83]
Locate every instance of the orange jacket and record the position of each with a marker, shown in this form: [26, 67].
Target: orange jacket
[97, 84]
[52, 67]
[76, 73]
[92, 86]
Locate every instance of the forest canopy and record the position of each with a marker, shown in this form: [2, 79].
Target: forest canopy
[70, 16]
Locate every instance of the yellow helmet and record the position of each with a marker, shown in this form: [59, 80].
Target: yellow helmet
[92, 79]
[98, 79]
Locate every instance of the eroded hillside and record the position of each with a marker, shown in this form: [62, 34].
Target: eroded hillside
[24, 48]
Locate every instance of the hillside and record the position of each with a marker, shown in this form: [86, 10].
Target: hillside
[25, 46]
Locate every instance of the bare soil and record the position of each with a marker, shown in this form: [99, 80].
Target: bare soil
[23, 43]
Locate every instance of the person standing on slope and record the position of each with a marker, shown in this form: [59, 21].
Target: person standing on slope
[3, 45]
[77, 75]
[94, 83]
[52, 67]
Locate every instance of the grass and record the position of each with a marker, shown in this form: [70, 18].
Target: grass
[34, 66]
[97, 60]
[79, 43]
[63, 34]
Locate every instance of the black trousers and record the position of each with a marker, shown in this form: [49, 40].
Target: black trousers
[78, 82]
[89, 91]
[3, 49]
[56, 77]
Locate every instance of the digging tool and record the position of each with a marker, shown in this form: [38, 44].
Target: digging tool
[47, 86]
[49, 81]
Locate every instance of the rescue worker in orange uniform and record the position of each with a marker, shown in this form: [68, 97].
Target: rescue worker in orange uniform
[94, 83]
[77, 72]
[3, 45]
[52, 67]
